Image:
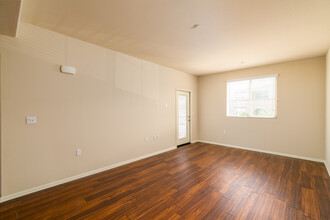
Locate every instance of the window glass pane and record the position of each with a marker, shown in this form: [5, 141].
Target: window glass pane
[252, 97]
[182, 101]
[263, 97]
[238, 98]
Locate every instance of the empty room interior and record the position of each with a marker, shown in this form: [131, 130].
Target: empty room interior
[154, 109]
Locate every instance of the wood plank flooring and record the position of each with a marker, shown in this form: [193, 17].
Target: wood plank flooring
[197, 181]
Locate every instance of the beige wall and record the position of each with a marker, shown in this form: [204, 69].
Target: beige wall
[110, 106]
[106, 109]
[327, 135]
[299, 128]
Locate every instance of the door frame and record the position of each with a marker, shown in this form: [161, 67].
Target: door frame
[176, 115]
[0, 127]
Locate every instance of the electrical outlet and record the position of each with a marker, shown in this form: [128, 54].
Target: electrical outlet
[146, 139]
[31, 120]
[78, 152]
[224, 131]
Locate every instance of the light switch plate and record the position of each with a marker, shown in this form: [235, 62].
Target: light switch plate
[31, 120]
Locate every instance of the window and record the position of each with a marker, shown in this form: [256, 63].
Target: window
[254, 97]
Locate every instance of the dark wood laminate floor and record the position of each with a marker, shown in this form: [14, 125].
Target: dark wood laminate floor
[197, 181]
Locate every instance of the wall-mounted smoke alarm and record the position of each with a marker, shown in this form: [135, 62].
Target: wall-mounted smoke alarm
[68, 69]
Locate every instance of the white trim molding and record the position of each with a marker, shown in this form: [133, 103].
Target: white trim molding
[58, 182]
[269, 152]
[254, 77]
[264, 151]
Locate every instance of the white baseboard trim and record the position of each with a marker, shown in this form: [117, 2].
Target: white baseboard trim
[270, 152]
[265, 151]
[58, 182]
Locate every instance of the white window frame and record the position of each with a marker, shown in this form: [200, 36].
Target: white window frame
[251, 78]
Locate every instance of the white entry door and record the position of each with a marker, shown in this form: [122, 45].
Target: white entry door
[183, 117]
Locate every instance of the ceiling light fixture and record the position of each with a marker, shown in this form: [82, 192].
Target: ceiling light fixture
[196, 26]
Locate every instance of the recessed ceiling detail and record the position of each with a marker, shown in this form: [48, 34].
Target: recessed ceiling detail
[9, 17]
[263, 32]
[196, 26]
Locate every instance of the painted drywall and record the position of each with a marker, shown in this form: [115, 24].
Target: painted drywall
[106, 109]
[327, 135]
[299, 128]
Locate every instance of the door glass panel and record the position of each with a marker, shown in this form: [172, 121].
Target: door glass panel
[182, 102]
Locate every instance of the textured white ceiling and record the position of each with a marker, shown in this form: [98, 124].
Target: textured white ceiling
[255, 32]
